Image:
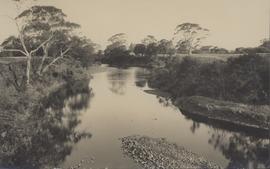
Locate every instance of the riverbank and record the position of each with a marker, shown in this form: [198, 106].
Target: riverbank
[225, 111]
[235, 91]
[204, 109]
[13, 101]
[159, 153]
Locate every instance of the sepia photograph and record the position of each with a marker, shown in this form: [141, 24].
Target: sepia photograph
[134, 84]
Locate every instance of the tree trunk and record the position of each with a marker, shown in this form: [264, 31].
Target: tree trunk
[190, 51]
[40, 70]
[28, 70]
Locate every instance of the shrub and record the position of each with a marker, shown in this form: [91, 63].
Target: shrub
[242, 79]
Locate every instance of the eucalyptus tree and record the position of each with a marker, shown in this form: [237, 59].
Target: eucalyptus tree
[40, 28]
[116, 51]
[149, 39]
[118, 40]
[189, 35]
[140, 49]
[47, 26]
[166, 47]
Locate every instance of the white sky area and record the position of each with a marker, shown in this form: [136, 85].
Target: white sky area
[232, 23]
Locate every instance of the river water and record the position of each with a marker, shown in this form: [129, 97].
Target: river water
[120, 107]
[114, 105]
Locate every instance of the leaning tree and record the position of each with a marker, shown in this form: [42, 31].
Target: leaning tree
[39, 29]
[118, 40]
[189, 35]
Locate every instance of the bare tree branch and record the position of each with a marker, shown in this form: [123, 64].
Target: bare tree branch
[14, 50]
[21, 37]
[42, 44]
[62, 54]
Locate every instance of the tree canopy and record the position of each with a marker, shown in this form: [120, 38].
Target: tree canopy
[149, 39]
[189, 36]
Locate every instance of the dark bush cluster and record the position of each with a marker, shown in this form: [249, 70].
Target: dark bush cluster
[122, 57]
[241, 79]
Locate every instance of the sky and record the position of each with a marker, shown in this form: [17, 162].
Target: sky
[232, 23]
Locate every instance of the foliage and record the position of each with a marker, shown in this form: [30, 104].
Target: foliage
[166, 47]
[151, 50]
[265, 43]
[211, 49]
[263, 48]
[243, 79]
[117, 55]
[30, 120]
[149, 39]
[260, 49]
[117, 41]
[140, 49]
[46, 39]
[189, 36]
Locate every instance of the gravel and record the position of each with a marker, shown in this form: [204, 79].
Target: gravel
[158, 153]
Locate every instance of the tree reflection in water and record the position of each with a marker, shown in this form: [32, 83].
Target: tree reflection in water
[45, 136]
[141, 76]
[242, 150]
[195, 125]
[118, 79]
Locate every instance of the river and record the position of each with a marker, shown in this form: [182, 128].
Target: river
[120, 108]
[81, 124]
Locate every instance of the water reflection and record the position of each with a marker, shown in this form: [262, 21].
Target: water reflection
[245, 149]
[141, 83]
[141, 76]
[194, 127]
[118, 79]
[166, 102]
[44, 137]
[242, 151]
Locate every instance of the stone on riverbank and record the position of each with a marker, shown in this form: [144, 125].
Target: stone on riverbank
[154, 153]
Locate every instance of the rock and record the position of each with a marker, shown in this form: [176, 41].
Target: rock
[157, 153]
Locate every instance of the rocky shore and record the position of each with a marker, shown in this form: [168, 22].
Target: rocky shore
[156, 153]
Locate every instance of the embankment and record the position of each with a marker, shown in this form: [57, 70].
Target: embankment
[225, 111]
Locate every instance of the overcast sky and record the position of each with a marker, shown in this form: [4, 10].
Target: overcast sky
[232, 23]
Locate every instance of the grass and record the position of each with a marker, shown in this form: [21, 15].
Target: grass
[7, 60]
[210, 56]
[237, 113]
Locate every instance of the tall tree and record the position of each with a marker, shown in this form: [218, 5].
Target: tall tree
[151, 49]
[39, 28]
[149, 39]
[140, 49]
[190, 35]
[117, 41]
[47, 24]
[166, 47]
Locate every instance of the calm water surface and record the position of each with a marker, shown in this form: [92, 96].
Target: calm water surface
[112, 106]
[120, 108]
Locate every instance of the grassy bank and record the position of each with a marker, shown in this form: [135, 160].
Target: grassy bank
[253, 116]
[37, 126]
[237, 89]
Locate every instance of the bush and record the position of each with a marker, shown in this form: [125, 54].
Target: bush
[122, 57]
[242, 79]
